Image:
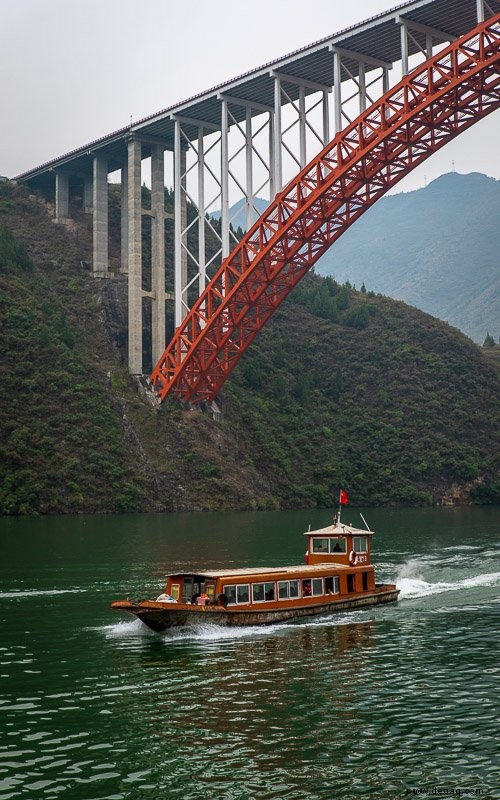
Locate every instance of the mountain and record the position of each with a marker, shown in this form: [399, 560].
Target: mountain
[341, 388]
[436, 248]
[238, 212]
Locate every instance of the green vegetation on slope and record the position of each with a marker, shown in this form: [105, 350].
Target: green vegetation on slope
[61, 439]
[398, 408]
[341, 388]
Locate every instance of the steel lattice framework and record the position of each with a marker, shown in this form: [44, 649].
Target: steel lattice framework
[428, 108]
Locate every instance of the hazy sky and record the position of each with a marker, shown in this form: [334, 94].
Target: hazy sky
[74, 70]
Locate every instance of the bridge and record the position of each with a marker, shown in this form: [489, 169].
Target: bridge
[392, 90]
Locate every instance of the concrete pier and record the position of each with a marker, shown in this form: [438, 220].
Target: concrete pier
[124, 218]
[158, 252]
[100, 216]
[87, 195]
[134, 258]
[62, 195]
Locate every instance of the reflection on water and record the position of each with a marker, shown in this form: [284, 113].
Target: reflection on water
[371, 703]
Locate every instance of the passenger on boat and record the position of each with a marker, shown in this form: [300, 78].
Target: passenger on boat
[194, 599]
[223, 600]
[202, 600]
[165, 598]
[306, 588]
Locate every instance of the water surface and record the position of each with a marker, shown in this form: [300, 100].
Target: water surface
[371, 703]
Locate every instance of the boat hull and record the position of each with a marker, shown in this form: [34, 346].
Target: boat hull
[162, 616]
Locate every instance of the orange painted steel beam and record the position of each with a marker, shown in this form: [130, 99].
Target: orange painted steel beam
[428, 108]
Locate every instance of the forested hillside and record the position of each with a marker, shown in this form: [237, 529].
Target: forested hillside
[341, 388]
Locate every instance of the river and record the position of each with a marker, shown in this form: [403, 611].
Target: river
[390, 702]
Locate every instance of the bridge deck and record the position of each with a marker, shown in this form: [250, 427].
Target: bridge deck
[378, 39]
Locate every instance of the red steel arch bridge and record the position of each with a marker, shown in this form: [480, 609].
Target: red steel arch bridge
[392, 90]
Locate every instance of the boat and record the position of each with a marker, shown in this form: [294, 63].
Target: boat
[337, 576]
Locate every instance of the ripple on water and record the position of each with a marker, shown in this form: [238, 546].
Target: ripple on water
[354, 705]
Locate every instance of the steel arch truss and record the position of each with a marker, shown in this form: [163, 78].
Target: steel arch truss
[428, 108]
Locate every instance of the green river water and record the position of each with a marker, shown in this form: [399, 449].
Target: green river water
[392, 702]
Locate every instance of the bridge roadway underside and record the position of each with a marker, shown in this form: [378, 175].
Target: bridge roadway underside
[238, 141]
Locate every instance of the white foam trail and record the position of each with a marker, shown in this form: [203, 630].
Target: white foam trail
[410, 569]
[38, 593]
[411, 588]
[209, 633]
[126, 628]
[463, 547]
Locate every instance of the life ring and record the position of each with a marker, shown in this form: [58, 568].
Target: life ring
[353, 558]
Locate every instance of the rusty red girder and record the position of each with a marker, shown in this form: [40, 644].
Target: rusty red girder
[431, 105]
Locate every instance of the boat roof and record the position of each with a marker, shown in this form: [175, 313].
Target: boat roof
[339, 529]
[260, 571]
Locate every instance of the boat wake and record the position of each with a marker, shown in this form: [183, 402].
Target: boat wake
[209, 633]
[37, 593]
[412, 584]
[126, 629]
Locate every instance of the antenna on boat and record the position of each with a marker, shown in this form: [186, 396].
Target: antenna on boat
[364, 520]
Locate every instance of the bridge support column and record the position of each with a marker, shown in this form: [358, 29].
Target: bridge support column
[404, 48]
[224, 179]
[337, 91]
[326, 119]
[276, 149]
[134, 258]
[180, 224]
[480, 10]
[158, 252]
[62, 195]
[124, 219]
[202, 273]
[248, 169]
[100, 216]
[87, 195]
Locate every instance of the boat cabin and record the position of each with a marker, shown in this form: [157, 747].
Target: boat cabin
[337, 563]
[337, 576]
[339, 544]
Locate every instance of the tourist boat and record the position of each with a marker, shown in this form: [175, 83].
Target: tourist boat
[337, 576]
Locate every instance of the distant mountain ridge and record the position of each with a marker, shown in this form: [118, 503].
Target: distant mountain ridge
[436, 248]
[238, 212]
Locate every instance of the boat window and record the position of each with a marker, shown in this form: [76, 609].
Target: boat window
[288, 589]
[360, 544]
[174, 591]
[262, 592]
[338, 545]
[187, 589]
[210, 590]
[237, 593]
[317, 586]
[243, 593]
[320, 545]
[230, 592]
[332, 585]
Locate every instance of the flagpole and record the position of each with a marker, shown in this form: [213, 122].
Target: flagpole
[340, 506]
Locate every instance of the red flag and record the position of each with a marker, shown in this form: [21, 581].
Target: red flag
[343, 498]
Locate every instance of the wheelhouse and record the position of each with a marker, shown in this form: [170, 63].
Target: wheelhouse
[339, 544]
